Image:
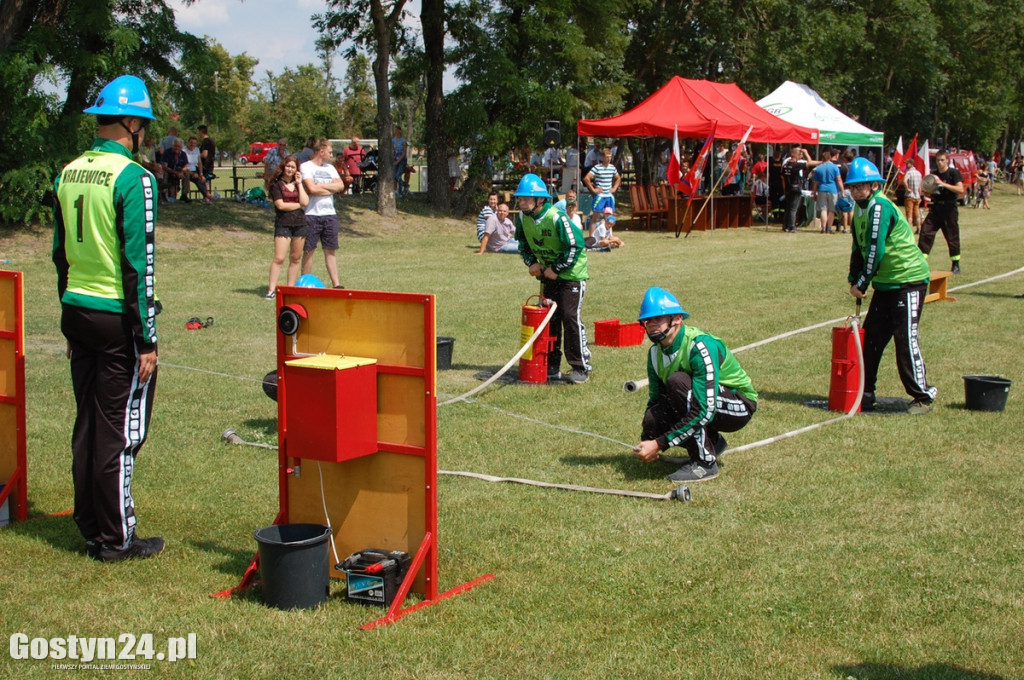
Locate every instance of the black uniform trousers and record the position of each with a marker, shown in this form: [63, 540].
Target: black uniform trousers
[566, 325]
[895, 314]
[111, 423]
[676, 406]
[942, 217]
[793, 203]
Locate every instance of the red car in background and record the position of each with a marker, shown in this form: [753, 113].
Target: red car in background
[964, 162]
[257, 152]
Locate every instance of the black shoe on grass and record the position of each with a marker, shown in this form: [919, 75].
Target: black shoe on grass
[695, 471]
[138, 549]
[867, 402]
[956, 267]
[578, 377]
[919, 407]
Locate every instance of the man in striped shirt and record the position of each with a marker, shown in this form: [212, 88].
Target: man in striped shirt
[603, 180]
[487, 211]
[912, 199]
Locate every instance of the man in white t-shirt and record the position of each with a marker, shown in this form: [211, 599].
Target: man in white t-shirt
[322, 181]
[194, 173]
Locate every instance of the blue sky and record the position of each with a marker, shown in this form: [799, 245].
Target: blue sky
[279, 34]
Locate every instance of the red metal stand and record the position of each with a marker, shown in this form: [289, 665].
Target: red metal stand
[13, 466]
[395, 333]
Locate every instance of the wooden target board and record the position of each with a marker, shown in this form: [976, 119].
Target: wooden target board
[388, 498]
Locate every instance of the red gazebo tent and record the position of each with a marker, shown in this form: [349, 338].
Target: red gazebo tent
[695, 106]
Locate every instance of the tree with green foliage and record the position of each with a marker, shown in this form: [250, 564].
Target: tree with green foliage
[294, 105]
[215, 90]
[358, 107]
[516, 72]
[375, 24]
[78, 46]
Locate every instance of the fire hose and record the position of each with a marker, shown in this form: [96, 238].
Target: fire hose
[681, 493]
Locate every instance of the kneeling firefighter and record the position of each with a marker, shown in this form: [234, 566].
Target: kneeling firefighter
[552, 247]
[697, 390]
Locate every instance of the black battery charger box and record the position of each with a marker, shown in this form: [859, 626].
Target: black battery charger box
[374, 575]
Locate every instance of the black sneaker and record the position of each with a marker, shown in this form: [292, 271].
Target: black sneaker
[578, 377]
[956, 267]
[555, 376]
[867, 402]
[919, 407]
[139, 548]
[695, 471]
[92, 548]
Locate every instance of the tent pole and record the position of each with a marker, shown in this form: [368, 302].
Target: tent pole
[712, 192]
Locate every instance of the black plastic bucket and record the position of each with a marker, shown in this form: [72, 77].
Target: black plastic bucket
[444, 352]
[293, 565]
[986, 392]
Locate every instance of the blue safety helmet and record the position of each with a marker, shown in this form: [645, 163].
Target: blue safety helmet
[309, 281]
[660, 302]
[123, 96]
[532, 185]
[862, 170]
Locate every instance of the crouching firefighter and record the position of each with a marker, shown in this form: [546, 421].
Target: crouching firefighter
[697, 391]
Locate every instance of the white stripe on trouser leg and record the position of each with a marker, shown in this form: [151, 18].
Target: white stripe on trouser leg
[584, 350]
[702, 446]
[134, 434]
[916, 358]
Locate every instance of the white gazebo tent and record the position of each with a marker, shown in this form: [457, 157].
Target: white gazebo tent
[799, 104]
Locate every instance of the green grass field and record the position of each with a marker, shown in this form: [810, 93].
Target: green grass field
[886, 546]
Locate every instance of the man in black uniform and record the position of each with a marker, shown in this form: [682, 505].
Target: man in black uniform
[943, 214]
[103, 249]
[795, 171]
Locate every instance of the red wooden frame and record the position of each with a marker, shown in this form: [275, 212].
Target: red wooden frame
[425, 558]
[18, 479]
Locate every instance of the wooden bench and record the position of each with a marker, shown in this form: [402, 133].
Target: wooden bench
[937, 287]
[657, 203]
[639, 209]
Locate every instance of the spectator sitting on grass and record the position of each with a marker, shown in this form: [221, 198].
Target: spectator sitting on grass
[601, 235]
[498, 233]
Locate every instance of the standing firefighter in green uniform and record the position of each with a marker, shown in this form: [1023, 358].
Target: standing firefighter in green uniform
[884, 256]
[103, 249]
[697, 390]
[552, 247]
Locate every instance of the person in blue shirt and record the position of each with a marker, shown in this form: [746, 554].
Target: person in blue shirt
[827, 185]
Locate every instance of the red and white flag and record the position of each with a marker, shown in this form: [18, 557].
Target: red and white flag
[912, 152]
[674, 175]
[922, 162]
[897, 158]
[734, 161]
[691, 183]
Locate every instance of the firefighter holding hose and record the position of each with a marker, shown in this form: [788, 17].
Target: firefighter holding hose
[553, 248]
[697, 391]
[885, 257]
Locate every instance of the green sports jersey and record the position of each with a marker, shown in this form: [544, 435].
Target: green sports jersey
[554, 241]
[103, 239]
[884, 252]
[709, 362]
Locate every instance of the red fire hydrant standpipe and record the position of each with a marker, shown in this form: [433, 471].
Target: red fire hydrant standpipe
[845, 383]
[533, 365]
[522, 350]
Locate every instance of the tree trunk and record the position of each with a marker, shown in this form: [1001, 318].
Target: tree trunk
[386, 206]
[432, 21]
